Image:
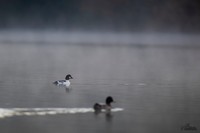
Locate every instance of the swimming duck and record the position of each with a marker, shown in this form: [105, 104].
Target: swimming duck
[65, 82]
[107, 106]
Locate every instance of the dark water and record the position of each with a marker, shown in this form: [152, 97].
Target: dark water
[158, 87]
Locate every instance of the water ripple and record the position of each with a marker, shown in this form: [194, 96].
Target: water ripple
[10, 112]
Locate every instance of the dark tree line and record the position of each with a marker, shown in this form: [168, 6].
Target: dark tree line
[127, 15]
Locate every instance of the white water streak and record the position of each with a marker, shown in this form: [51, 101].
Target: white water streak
[10, 112]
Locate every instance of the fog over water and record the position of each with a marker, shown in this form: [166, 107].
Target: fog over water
[99, 38]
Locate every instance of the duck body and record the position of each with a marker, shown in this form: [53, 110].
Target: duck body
[62, 82]
[103, 106]
[65, 82]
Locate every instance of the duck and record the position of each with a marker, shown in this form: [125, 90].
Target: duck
[65, 82]
[106, 106]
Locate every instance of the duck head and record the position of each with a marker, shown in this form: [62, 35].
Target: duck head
[68, 77]
[109, 100]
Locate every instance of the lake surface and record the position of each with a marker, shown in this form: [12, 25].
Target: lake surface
[158, 88]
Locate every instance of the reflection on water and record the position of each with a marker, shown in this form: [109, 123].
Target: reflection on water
[158, 88]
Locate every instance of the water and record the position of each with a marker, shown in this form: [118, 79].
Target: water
[156, 89]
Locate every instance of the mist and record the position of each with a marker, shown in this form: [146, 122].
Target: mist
[99, 38]
[102, 22]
